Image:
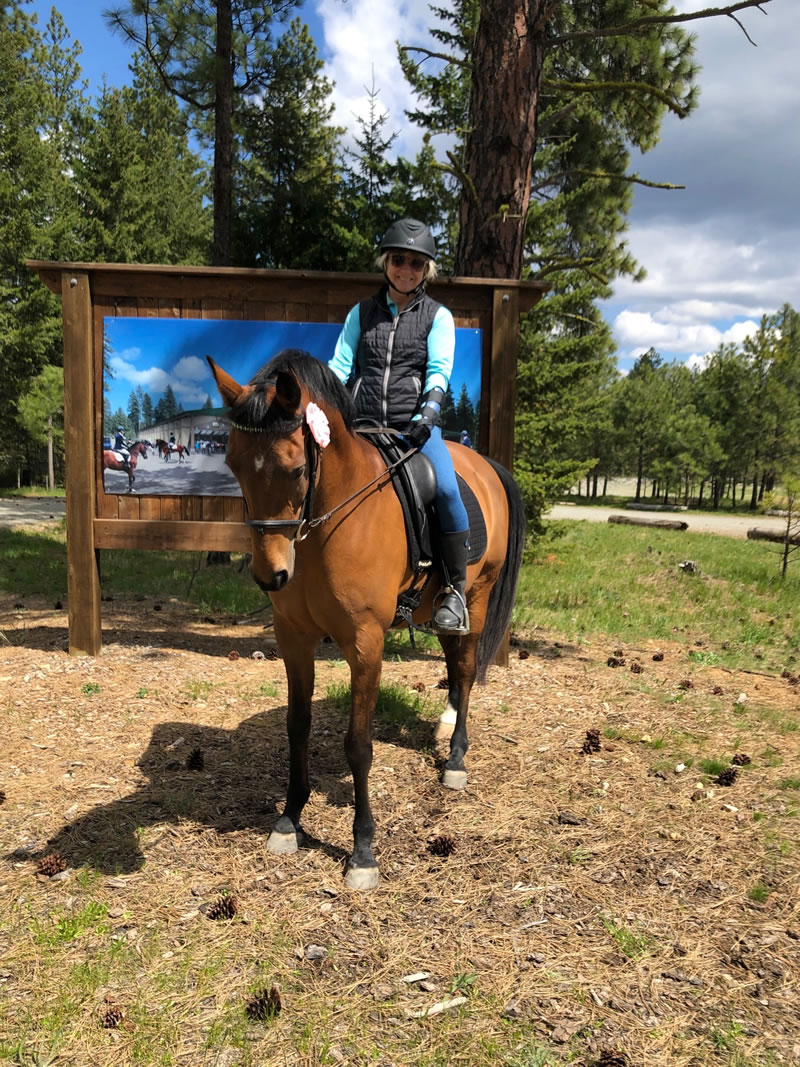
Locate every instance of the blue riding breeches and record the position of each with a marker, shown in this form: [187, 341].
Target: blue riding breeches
[449, 506]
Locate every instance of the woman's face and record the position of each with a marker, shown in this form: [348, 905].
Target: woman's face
[405, 270]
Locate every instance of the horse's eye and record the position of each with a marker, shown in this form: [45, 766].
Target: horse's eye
[298, 472]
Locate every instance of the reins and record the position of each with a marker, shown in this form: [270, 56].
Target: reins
[305, 520]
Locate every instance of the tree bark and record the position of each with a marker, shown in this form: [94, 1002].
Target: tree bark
[223, 136]
[507, 63]
[51, 475]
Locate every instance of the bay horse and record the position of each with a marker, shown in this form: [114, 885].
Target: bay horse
[112, 461]
[329, 547]
[165, 449]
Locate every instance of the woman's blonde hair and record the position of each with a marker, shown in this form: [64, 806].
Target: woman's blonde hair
[430, 272]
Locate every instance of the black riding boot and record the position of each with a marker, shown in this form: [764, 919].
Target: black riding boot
[451, 614]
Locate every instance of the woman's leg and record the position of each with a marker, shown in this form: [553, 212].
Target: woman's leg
[449, 506]
[451, 615]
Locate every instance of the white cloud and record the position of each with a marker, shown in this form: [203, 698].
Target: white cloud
[154, 378]
[360, 39]
[191, 368]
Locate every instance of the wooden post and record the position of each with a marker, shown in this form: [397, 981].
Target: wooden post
[503, 375]
[83, 575]
[503, 393]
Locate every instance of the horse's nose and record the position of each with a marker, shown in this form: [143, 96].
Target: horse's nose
[276, 582]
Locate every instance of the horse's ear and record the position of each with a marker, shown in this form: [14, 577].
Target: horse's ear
[287, 392]
[230, 389]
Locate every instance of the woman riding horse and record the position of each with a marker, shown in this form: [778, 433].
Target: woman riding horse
[329, 546]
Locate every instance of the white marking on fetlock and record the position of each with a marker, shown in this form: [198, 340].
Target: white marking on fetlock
[454, 779]
[445, 723]
[362, 879]
[283, 844]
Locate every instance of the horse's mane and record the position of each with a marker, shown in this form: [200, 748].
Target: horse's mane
[311, 373]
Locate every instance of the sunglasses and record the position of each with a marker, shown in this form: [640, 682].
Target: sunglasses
[399, 259]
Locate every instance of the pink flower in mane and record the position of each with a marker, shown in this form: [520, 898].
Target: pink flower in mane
[318, 424]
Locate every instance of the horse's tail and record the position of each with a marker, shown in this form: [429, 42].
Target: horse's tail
[504, 591]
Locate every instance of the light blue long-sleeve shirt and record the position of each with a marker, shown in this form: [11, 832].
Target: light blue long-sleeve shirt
[441, 347]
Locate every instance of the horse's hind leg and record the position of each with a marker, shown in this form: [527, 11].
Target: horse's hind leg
[460, 657]
[299, 663]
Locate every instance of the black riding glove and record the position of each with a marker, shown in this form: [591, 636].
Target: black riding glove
[419, 429]
[418, 432]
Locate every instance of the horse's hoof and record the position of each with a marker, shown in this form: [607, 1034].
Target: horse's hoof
[445, 724]
[283, 844]
[362, 879]
[454, 779]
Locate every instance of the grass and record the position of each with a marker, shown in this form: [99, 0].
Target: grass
[35, 564]
[608, 581]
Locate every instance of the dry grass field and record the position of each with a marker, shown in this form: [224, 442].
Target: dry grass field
[618, 884]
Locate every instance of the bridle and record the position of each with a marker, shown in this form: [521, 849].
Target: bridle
[304, 524]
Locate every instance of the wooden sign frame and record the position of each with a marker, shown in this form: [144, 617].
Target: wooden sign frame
[90, 292]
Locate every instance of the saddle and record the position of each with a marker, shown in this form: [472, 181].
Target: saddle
[414, 482]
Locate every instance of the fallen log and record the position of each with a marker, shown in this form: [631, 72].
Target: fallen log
[778, 536]
[662, 524]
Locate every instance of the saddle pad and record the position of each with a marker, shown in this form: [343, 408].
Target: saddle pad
[477, 523]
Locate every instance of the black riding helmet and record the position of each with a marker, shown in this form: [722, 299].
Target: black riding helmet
[409, 235]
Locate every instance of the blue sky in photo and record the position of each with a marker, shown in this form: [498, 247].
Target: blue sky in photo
[154, 353]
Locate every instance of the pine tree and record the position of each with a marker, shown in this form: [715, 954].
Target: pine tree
[288, 190]
[214, 56]
[134, 411]
[134, 147]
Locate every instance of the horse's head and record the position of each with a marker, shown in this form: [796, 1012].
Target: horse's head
[273, 455]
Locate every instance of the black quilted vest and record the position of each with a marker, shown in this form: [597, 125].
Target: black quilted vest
[391, 359]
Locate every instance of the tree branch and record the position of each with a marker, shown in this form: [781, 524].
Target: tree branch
[632, 179]
[663, 20]
[428, 54]
[599, 87]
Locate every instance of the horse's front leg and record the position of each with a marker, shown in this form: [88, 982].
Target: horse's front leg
[298, 658]
[365, 658]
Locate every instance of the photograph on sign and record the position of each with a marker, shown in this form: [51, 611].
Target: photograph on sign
[165, 428]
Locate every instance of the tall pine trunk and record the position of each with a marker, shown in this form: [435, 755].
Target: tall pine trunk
[507, 63]
[223, 135]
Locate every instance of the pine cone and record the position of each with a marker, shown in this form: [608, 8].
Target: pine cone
[2, 796]
[741, 760]
[233, 654]
[658, 657]
[592, 742]
[612, 1059]
[195, 761]
[264, 1005]
[636, 667]
[524, 653]
[224, 907]
[53, 863]
[717, 690]
[686, 683]
[615, 661]
[111, 1015]
[443, 684]
[727, 777]
[442, 846]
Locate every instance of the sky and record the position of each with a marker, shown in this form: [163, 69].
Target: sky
[154, 353]
[719, 254]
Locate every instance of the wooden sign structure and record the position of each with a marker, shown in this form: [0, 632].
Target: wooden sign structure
[90, 292]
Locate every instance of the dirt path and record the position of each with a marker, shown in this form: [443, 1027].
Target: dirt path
[699, 522]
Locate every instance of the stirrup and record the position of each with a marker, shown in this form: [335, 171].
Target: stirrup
[463, 627]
